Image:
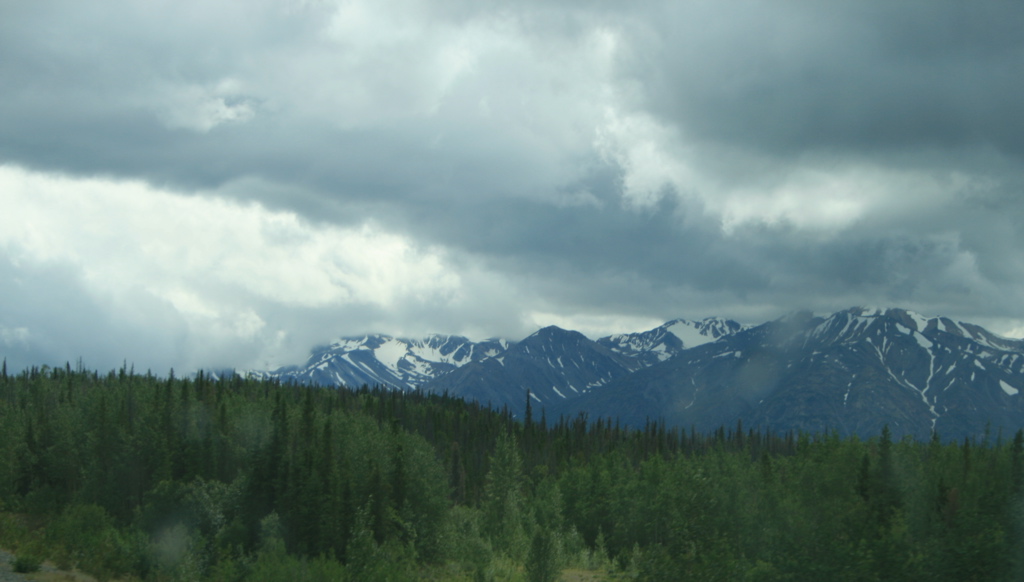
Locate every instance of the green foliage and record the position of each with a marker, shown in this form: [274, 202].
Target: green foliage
[370, 560]
[237, 479]
[30, 555]
[464, 542]
[542, 564]
[26, 563]
[11, 531]
[277, 567]
[85, 537]
[506, 521]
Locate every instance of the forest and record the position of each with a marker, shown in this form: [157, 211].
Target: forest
[137, 477]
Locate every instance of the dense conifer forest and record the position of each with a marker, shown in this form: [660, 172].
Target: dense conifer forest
[136, 476]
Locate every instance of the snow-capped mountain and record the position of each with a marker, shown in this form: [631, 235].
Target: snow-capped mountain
[853, 371]
[552, 364]
[410, 363]
[666, 341]
[384, 360]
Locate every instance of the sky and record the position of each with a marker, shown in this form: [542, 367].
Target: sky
[220, 183]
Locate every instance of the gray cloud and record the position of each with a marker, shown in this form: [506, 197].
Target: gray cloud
[50, 319]
[860, 77]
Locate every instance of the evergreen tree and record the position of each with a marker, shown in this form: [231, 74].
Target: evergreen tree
[503, 508]
[542, 561]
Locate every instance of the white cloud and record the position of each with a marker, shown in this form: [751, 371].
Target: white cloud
[127, 233]
[826, 199]
[649, 155]
[223, 267]
[816, 195]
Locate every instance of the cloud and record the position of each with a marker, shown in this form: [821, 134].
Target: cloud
[47, 318]
[203, 108]
[865, 77]
[256, 177]
[222, 273]
[127, 233]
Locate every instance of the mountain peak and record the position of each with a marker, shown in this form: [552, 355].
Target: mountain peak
[695, 333]
[553, 331]
[552, 337]
[669, 339]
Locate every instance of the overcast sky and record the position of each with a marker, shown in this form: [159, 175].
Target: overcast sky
[210, 183]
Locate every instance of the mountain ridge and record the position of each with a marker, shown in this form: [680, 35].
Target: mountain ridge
[852, 371]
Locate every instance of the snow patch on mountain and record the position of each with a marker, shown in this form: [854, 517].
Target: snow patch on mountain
[690, 333]
[666, 341]
[390, 352]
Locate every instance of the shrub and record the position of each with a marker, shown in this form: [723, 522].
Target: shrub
[26, 563]
[11, 531]
[30, 554]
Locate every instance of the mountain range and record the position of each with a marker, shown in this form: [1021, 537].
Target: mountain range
[853, 371]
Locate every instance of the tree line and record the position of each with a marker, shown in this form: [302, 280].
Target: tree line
[232, 478]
